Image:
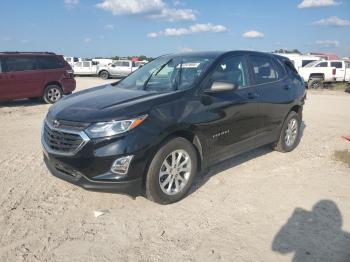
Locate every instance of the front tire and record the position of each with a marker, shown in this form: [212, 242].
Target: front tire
[171, 172]
[290, 133]
[52, 94]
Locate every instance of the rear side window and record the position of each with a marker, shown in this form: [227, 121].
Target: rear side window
[305, 62]
[337, 64]
[322, 64]
[50, 62]
[18, 63]
[263, 69]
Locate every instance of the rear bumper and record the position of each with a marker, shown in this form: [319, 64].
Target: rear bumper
[68, 85]
[129, 187]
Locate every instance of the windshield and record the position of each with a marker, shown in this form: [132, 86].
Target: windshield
[167, 74]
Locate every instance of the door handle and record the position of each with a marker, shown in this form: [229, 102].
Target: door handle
[287, 87]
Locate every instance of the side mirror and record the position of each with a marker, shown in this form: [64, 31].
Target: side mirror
[113, 65]
[218, 87]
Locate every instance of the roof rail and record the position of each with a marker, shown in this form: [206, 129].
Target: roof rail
[19, 52]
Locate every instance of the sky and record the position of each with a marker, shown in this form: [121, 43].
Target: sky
[90, 28]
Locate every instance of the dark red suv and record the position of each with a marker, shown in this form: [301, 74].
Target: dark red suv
[34, 74]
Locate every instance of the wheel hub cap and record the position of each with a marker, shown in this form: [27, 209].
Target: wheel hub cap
[291, 132]
[54, 94]
[175, 172]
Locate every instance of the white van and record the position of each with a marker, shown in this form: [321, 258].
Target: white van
[300, 61]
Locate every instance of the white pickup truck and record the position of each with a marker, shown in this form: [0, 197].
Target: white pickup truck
[120, 68]
[318, 72]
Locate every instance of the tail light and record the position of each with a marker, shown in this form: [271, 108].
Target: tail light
[334, 71]
[70, 74]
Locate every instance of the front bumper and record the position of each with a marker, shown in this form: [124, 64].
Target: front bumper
[90, 166]
[58, 169]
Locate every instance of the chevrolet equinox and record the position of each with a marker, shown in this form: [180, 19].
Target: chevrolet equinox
[153, 131]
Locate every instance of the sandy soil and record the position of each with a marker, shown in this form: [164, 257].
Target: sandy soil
[261, 206]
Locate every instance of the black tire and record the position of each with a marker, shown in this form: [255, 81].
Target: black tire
[315, 84]
[52, 94]
[104, 74]
[282, 145]
[154, 190]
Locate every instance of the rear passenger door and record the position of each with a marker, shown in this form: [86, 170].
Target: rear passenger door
[24, 78]
[274, 96]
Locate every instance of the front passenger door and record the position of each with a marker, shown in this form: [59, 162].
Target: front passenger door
[233, 128]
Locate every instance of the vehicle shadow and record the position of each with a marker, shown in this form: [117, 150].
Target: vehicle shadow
[314, 235]
[22, 102]
[205, 175]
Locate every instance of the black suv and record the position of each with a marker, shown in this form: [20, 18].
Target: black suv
[154, 130]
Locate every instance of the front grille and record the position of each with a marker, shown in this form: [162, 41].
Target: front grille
[69, 125]
[62, 141]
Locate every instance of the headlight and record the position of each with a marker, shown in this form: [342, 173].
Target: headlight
[112, 128]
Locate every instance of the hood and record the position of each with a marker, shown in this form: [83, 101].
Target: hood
[106, 103]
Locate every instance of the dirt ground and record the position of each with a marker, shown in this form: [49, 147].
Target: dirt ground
[261, 206]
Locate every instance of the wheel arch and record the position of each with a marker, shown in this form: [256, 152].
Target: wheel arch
[56, 83]
[297, 109]
[103, 70]
[316, 75]
[187, 134]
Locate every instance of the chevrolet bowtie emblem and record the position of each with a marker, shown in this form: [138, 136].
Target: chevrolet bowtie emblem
[55, 124]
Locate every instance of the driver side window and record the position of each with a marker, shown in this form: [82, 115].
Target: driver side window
[231, 70]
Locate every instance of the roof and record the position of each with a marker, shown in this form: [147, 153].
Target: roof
[215, 54]
[26, 53]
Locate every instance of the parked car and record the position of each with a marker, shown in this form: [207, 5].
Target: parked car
[103, 61]
[299, 60]
[72, 59]
[86, 68]
[319, 72]
[119, 68]
[153, 131]
[34, 74]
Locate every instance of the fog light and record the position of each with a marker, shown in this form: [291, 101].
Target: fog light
[121, 165]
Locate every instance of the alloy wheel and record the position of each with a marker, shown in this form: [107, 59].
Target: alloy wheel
[175, 172]
[54, 94]
[291, 132]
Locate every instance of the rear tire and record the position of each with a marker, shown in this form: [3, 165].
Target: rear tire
[52, 94]
[104, 74]
[315, 84]
[171, 172]
[290, 133]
